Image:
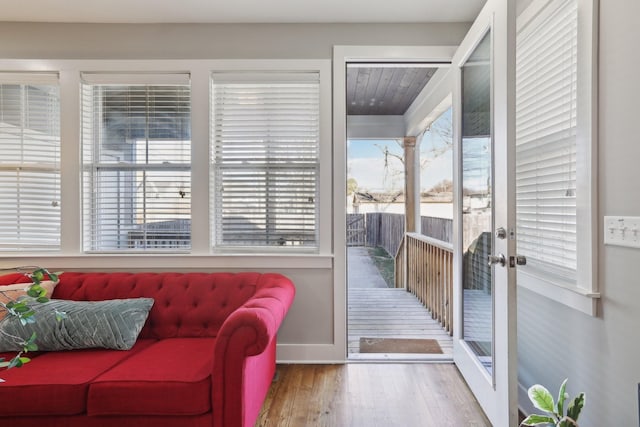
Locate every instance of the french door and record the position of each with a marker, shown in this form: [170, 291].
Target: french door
[484, 259]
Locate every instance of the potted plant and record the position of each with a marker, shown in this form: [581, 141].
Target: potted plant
[23, 307]
[554, 411]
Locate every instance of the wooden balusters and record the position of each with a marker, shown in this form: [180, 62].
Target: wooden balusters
[428, 268]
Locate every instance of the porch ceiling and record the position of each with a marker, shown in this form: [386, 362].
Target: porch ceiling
[384, 90]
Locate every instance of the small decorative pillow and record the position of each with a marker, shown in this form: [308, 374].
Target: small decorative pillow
[13, 292]
[113, 324]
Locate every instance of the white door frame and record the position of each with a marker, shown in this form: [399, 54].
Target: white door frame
[496, 392]
[438, 55]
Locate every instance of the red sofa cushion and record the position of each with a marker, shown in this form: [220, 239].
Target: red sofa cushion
[172, 377]
[56, 383]
[186, 304]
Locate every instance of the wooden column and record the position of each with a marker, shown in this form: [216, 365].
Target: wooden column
[410, 184]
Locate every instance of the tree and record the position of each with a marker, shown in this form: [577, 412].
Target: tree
[352, 186]
[441, 142]
[441, 131]
[390, 171]
[446, 185]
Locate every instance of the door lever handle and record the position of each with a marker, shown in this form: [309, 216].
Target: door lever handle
[496, 259]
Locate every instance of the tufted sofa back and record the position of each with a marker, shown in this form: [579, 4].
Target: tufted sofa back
[186, 304]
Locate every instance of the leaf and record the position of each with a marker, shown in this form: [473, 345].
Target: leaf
[32, 338]
[573, 411]
[24, 360]
[28, 314]
[567, 422]
[36, 291]
[21, 308]
[561, 397]
[27, 319]
[536, 420]
[38, 275]
[60, 315]
[42, 300]
[14, 363]
[541, 398]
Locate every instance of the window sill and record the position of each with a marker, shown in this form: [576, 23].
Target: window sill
[572, 296]
[172, 261]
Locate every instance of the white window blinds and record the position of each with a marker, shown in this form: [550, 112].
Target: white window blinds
[546, 74]
[29, 162]
[265, 145]
[136, 131]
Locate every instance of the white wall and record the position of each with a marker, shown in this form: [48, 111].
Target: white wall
[600, 355]
[207, 41]
[375, 127]
[308, 333]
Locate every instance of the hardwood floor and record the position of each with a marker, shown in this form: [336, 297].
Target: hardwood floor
[370, 395]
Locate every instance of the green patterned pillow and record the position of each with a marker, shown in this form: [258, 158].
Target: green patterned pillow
[113, 324]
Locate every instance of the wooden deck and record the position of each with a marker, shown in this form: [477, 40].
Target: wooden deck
[392, 313]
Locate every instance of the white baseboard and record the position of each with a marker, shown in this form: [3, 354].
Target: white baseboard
[333, 354]
[310, 353]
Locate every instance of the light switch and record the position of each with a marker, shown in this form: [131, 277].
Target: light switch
[622, 231]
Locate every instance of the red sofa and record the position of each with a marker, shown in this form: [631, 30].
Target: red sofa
[205, 356]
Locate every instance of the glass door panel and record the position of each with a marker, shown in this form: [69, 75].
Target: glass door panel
[484, 338]
[477, 203]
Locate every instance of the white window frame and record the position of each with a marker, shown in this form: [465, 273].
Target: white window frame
[582, 294]
[262, 77]
[91, 155]
[201, 255]
[24, 79]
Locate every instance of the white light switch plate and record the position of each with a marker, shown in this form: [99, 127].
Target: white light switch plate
[622, 231]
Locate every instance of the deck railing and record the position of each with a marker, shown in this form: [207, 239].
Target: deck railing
[426, 265]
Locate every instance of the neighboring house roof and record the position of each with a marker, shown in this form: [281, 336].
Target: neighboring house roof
[398, 197]
[367, 197]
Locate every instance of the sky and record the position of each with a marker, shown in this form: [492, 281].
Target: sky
[366, 163]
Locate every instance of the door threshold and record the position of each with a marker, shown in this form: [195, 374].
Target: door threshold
[399, 358]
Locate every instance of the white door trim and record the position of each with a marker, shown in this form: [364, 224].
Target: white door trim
[341, 56]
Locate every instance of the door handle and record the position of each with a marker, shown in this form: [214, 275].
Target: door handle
[497, 259]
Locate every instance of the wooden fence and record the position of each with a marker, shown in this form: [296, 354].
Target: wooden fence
[386, 230]
[437, 228]
[356, 230]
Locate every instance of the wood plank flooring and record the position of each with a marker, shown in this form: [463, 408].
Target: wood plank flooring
[391, 313]
[370, 395]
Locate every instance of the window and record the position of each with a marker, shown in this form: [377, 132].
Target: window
[553, 138]
[136, 162]
[265, 151]
[29, 162]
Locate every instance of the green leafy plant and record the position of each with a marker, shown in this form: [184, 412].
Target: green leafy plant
[24, 308]
[554, 411]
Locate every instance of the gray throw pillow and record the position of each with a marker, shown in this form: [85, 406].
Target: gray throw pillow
[113, 324]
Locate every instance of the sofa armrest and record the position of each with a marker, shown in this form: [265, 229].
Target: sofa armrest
[245, 352]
